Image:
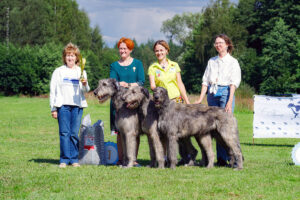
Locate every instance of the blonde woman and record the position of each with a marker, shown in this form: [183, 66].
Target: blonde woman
[67, 102]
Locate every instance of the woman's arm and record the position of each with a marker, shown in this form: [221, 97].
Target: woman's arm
[53, 88]
[228, 107]
[141, 74]
[114, 74]
[182, 88]
[85, 83]
[152, 82]
[202, 94]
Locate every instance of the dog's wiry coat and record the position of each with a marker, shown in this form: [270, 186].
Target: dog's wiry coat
[126, 119]
[203, 122]
[138, 98]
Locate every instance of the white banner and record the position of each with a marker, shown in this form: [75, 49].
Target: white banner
[276, 117]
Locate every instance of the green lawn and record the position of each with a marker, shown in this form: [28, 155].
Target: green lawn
[29, 150]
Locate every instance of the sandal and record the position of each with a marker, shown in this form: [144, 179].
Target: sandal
[75, 165]
[62, 165]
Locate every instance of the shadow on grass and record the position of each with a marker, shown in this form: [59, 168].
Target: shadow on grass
[40, 160]
[266, 145]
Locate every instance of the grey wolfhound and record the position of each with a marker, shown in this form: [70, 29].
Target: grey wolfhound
[127, 120]
[202, 122]
[139, 97]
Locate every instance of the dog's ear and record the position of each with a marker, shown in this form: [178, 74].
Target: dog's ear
[116, 84]
[146, 92]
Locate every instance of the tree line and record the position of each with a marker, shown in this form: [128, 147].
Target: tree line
[265, 34]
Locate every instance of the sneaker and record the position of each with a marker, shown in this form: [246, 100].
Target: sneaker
[62, 165]
[75, 165]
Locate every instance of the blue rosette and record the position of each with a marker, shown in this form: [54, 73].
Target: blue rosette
[296, 154]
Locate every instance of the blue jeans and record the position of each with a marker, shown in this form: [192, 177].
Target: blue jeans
[69, 119]
[220, 101]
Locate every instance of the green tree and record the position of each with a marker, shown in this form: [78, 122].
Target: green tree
[259, 17]
[36, 22]
[180, 26]
[280, 60]
[217, 18]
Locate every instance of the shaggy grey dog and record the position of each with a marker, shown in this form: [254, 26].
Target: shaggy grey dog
[138, 98]
[126, 119]
[203, 122]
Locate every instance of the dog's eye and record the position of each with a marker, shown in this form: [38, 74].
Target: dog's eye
[104, 84]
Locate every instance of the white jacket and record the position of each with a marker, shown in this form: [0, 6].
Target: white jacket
[58, 90]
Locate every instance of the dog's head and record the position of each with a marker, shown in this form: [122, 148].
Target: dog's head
[160, 96]
[134, 96]
[106, 89]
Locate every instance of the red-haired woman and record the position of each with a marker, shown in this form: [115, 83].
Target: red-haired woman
[221, 78]
[128, 72]
[67, 102]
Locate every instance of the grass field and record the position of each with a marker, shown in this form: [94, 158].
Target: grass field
[29, 150]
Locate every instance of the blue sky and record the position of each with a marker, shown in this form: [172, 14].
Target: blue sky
[139, 19]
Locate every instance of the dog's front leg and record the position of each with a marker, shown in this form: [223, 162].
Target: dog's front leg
[172, 145]
[158, 149]
[151, 151]
[131, 148]
[124, 149]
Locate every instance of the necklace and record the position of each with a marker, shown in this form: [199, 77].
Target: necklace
[164, 65]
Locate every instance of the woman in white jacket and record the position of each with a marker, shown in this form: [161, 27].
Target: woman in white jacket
[67, 102]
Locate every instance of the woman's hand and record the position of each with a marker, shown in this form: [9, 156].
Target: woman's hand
[83, 81]
[54, 114]
[197, 102]
[228, 107]
[123, 84]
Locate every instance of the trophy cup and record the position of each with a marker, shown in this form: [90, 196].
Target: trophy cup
[82, 64]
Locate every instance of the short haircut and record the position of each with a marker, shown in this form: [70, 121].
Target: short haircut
[71, 48]
[129, 43]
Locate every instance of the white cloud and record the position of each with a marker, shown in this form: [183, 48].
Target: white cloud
[137, 19]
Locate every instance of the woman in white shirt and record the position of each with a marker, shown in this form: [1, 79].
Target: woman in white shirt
[67, 102]
[220, 80]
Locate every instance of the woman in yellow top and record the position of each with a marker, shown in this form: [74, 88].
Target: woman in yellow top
[166, 73]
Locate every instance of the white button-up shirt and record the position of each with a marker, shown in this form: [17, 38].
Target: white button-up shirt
[222, 71]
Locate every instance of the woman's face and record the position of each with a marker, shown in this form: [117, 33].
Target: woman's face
[221, 45]
[160, 52]
[70, 59]
[124, 51]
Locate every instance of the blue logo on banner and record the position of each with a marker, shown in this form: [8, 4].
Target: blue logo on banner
[295, 109]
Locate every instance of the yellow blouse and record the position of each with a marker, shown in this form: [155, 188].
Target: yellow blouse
[166, 78]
